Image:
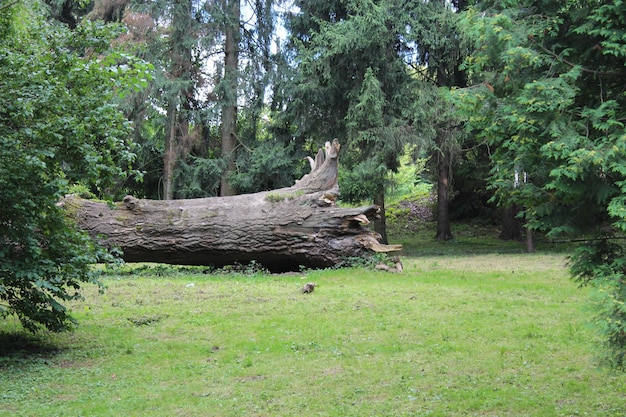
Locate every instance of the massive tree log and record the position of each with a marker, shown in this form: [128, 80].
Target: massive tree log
[282, 229]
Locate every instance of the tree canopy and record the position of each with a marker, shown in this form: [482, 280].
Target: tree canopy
[234, 107]
[549, 97]
[60, 129]
[362, 74]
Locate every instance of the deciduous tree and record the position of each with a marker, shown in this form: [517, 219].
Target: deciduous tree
[60, 127]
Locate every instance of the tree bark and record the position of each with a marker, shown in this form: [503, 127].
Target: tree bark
[443, 200]
[229, 106]
[530, 240]
[282, 229]
[511, 228]
[169, 156]
[178, 106]
[380, 224]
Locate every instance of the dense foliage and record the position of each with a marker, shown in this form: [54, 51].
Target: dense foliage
[540, 102]
[550, 99]
[370, 70]
[59, 128]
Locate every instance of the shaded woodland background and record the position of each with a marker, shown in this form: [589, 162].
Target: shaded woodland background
[512, 110]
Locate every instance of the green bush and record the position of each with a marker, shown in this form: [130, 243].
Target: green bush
[59, 127]
[602, 266]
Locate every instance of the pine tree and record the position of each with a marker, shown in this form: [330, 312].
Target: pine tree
[437, 58]
[204, 86]
[180, 90]
[377, 72]
[173, 117]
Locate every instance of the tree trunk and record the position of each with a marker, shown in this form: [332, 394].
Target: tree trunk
[229, 106]
[380, 224]
[169, 156]
[530, 240]
[443, 200]
[282, 229]
[511, 228]
[177, 125]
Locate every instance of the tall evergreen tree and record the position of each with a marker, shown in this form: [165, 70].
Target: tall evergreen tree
[377, 72]
[553, 106]
[269, 154]
[229, 90]
[171, 118]
[179, 92]
[353, 83]
[437, 57]
[202, 86]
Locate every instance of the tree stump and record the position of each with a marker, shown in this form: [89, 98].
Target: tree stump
[283, 229]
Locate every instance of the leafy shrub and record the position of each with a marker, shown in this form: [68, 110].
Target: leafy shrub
[602, 265]
[59, 126]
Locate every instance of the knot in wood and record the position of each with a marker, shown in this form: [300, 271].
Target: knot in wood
[131, 202]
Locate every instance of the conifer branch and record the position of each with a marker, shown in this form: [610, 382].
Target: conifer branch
[6, 6]
[583, 69]
[241, 143]
[583, 239]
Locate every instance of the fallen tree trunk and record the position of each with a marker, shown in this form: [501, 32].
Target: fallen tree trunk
[282, 229]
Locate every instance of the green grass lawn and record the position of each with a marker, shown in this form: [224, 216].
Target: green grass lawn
[481, 335]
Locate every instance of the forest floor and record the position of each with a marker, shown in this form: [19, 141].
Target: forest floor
[474, 327]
